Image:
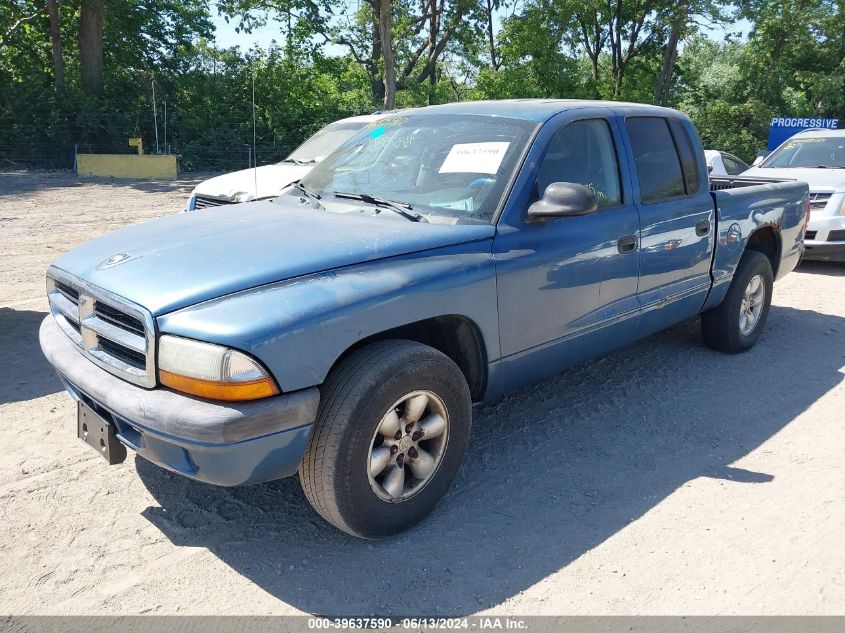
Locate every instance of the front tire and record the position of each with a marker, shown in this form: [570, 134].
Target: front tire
[391, 434]
[736, 324]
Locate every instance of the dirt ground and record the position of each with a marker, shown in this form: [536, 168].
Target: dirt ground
[663, 479]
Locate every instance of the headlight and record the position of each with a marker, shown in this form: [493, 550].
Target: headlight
[211, 371]
[242, 196]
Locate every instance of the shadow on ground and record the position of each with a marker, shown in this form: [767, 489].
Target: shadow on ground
[832, 269]
[553, 470]
[27, 374]
[16, 183]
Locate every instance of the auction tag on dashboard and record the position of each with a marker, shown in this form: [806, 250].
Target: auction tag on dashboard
[474, 158]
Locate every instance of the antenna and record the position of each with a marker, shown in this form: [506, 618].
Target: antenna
[254, 157]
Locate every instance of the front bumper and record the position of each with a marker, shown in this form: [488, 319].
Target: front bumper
[827, 251]
[227, 444]
[825, 236]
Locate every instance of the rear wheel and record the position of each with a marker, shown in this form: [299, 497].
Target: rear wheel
[736, 324]
[390, 436]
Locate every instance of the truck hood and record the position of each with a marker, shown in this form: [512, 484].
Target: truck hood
[818, 179]
[270, 180]
[181, 260]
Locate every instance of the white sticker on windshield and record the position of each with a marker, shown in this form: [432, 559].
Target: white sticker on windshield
[474, 158]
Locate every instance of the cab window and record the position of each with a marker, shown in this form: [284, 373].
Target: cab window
[583, 152]
[656, 159]
[688, 162]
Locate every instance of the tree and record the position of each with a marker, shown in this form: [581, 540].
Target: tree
[14, 16]
[670, 53]
[630, 30]
[91, 45]
[56, 44]
[684, 18]
[794, 50]
[385, 29]
[490, 8]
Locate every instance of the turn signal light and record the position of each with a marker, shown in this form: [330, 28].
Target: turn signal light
[251, 390]
[212, 371]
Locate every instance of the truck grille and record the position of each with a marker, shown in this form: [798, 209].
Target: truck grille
[818, 200]
[116, 334]
[118, 318]
[204, 202]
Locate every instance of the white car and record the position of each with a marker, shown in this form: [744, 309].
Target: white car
[816, 157]
[723, 164]
[268, 180]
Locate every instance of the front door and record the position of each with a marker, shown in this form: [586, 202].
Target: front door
[562, 281]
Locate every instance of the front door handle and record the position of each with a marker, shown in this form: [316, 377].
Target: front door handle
[702, 228]
[627, 244]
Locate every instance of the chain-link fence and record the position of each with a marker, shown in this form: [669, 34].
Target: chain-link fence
[191, 157]
[203, 140]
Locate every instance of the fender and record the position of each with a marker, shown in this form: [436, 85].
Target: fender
[743, 211]
[299, 328]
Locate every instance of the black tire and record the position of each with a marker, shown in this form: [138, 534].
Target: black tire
[720, 326]
[334, 472]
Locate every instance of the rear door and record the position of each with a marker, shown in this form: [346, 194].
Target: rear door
[676, 217]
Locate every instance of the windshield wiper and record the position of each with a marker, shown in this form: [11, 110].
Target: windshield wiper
[296, 161]
[308, 192]
[402, 208]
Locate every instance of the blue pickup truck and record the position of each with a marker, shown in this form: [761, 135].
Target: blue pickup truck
[439, 258]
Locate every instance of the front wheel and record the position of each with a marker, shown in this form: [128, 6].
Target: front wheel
[390, 436]
[735, 325]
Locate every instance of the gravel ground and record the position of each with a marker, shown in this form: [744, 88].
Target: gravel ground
[663, 479]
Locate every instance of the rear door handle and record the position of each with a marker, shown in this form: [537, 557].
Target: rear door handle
[627, 244]
[702, 228]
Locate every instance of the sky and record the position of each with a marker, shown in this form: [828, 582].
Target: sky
[264, 36]
[226, 36]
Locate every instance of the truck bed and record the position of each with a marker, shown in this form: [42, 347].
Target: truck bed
[747, 205]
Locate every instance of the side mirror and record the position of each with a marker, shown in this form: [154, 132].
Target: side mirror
[758, 160]
[563, 199]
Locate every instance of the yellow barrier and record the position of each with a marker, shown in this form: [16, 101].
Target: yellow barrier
[146, 166]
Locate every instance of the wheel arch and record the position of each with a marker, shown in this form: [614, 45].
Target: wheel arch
[455, 335]
[766, 239]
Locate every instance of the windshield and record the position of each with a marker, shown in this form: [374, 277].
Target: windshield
[809, 151]
[452, 167]
[324, 142]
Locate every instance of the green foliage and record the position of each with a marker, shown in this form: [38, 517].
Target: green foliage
[328, 65]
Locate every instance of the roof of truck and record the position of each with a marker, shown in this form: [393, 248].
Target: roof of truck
[536, 109]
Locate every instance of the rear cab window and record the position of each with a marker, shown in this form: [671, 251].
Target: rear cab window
[665, 161]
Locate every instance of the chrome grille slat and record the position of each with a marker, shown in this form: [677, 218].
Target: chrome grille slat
[114, 333]
[71, 294]
[819, 200]
[205, 202]
[118, 319]
[125, 354]
[60, 301]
